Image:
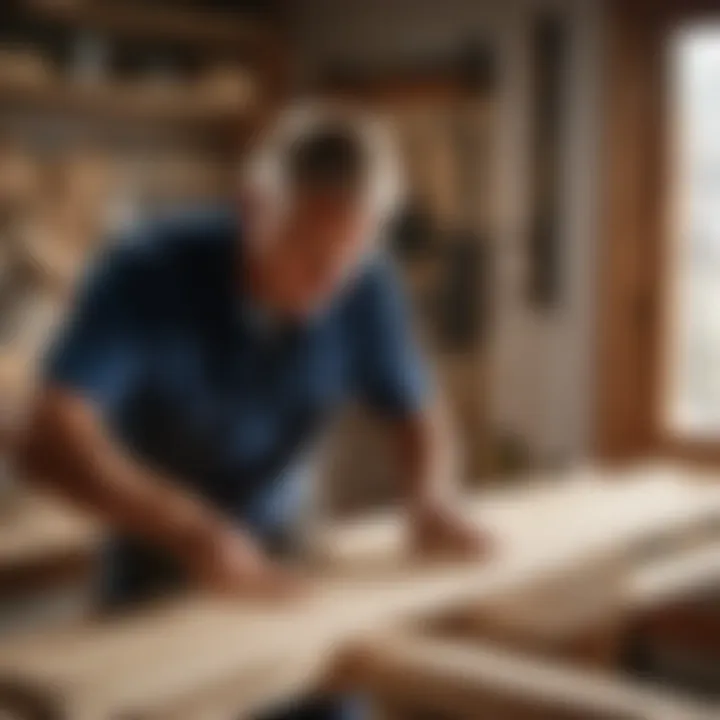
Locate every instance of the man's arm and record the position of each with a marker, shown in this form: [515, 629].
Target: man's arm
[66, 446]
[392, 379]
[426, 456]
[428, 469]
[98, 360]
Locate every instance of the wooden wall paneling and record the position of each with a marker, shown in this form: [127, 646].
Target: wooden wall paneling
[625, 302]
[654, 278]
[634, 261]
[550, 42]
[444, 131]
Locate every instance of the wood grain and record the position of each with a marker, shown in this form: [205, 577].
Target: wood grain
[471, 682]
[140, 666]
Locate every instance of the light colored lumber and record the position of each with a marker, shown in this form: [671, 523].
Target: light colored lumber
[664, 564]
[38, 527]
[139, 666]
[555, 505]
[464, 681]
[665, 581]
[552, 613]
[275, 685]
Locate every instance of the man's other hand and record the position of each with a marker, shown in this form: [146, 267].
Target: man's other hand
[440, 530]
[227, 562]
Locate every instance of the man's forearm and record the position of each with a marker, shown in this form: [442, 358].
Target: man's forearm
[67, 446]
[426, 457]
[429, 468]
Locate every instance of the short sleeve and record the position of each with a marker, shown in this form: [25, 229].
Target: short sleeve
[390, 373]
[99, 352]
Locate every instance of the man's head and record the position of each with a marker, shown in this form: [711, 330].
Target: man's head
[317, 191]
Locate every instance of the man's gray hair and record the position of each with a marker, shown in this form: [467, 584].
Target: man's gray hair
[272, 165]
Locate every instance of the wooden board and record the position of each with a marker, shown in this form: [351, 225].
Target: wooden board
[139, 666]
[692, 571]
[469, 682]
[36, 528]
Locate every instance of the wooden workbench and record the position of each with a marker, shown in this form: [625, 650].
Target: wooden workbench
[42, 539]
[48, 554]
[36, 526]
[203, 658]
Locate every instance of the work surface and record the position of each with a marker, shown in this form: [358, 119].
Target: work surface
[36, 528]
[152, 664]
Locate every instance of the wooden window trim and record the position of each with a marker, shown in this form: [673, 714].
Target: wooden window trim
[633, 313]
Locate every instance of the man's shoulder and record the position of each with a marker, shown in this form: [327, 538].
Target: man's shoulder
[177, 242]
[377, 278]
[182, 234]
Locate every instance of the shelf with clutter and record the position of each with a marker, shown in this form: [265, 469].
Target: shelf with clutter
[110, 114]
[144, 20]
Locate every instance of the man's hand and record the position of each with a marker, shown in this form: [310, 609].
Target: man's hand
[225, 561]
[439, 530]
[67, 444]
[427, 460]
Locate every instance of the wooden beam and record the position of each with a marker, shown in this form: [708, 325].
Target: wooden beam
[634, 305]
[628, 257]
[580, 616]
[276, 685]
[38, 527]
[667, 581]
[470, 682]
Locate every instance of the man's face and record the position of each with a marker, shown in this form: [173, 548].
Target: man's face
[314, 249]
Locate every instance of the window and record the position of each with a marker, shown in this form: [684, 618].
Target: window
[692, 400]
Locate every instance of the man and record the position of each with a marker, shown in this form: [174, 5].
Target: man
[202, 358]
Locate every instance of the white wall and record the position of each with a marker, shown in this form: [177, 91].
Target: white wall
[541, 364]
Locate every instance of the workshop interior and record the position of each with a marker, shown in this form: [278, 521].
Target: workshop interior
[558, 248]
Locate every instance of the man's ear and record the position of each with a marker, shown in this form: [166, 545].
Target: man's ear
[253, 207]
[261, 212]
[247, 201]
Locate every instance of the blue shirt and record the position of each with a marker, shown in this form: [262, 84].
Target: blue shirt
[169, 347]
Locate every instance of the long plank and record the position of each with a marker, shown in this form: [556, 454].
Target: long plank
[140, 665]
[38, 527]
[467, 681]
[690, 572]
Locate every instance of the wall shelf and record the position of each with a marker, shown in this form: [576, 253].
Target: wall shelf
[175, 106]
[224, 31]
